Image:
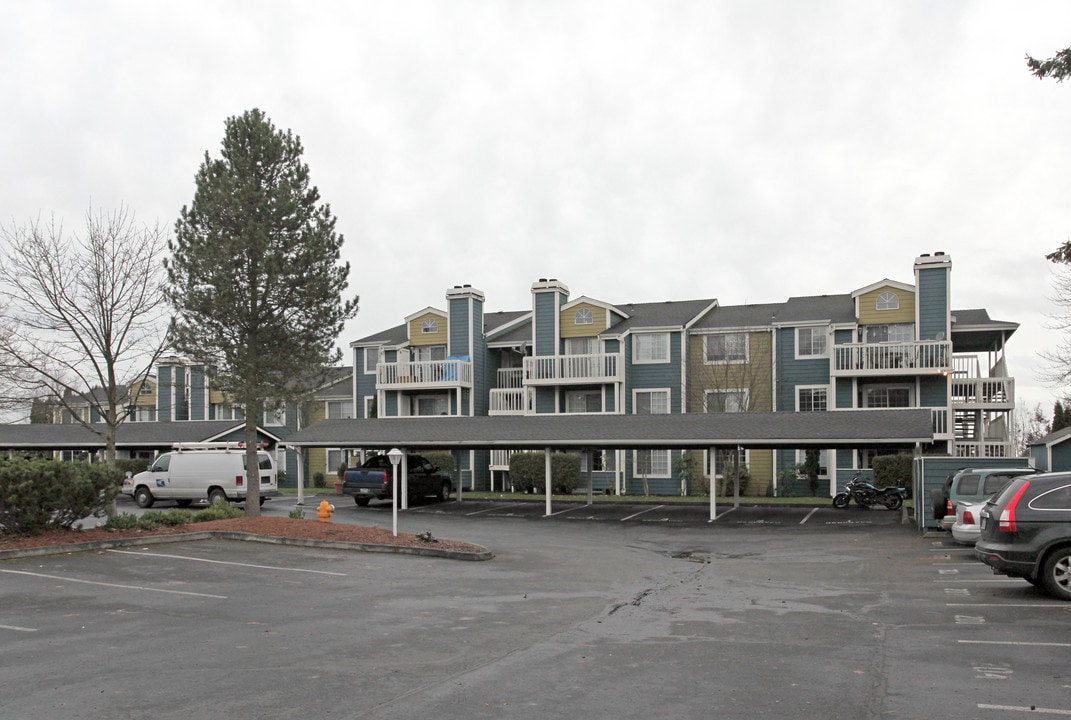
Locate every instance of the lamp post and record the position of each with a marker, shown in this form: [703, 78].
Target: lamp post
[395, 456]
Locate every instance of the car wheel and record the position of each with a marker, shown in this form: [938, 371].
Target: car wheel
[143, 497]
[363, 502]
[1057, 573]
[216, 496]
[444, 490]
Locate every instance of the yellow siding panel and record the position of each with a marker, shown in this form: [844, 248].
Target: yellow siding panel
[869, 315]
[755, 376]
[760, 463]
[568, 321]
[416, 337]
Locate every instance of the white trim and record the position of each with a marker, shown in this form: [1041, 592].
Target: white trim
[669, 399]
[725, 391]
[669, 348]
[812, 356]
[796, 396]
[747, 348]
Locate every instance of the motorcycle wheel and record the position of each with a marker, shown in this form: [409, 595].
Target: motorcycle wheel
[840, 500]
[894, 502]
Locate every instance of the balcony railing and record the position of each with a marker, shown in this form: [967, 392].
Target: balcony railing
[573, 369]
[507, 401]
[424, 374]
[984, 449]
[993, 393]
[510, 378]
[906, 358]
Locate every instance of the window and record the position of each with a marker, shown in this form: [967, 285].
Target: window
[275, 417]
[339, 409]
[723, 463]
[823, 461]
[887, 301]
[894, 332]
[334, 459]
[885, 396]
[583, 317]
[812, 399]
[726, 348]
[651, 463]
[583, 401]
[371, 359]
[429, 352]
[650, 348]
[430, 326]
[650, 402]
[431, 405]
[582, 346]
[811, 342]
[1055, 499]
[726, 401]
[603, 460]
[369, 406]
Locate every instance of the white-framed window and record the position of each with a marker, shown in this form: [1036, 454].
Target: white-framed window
[339, 409]
[650, 463]
[725, 401]
[583, 317]
[812, 398]
[603, 460]
[275, 417]
[426, 405]
[582, 346]
[429, 352]
[723, 461]
[430, 326]
[650, 348]
[823, 461]
[583, 401]
[334, 459]
[725, 348]
[885, 396]
[223, 411]
[650, 402]
[811, 342]
[887, 301]
[143, 413]
[369, 405]
[371, 359]
[892, 332]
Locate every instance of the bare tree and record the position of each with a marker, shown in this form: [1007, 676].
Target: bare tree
[1030, 425]
[86, 315]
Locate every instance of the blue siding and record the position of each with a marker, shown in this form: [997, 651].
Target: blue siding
[163, 392]
[933, 392]
[932, 302]
[198, 411]
[545, 323]
[792, 372]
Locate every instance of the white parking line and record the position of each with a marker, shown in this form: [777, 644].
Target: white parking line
[227, 562]
[113, 585]
[1021, 708]
[641, 512]
[16, 628]
[495, 509]
[808, 515]
[1047, 606]
[562, 512]
[1013, 642]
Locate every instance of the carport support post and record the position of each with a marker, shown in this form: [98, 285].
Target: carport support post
[546, 456]
[736, 484]
[455, 455]
[300, 452]
[713, 485]
[589, 455]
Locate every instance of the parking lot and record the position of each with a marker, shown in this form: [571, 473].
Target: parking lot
[629, 611]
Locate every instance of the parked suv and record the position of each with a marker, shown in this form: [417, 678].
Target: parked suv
[971, 485]
[1026, 532]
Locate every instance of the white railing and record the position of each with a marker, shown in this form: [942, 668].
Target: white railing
[940, 424]
[564, 369]
[507, 402]
[906, 358]
[500, 459]
[427, 373]
[987, 449]
[510, 378]
[992, 392]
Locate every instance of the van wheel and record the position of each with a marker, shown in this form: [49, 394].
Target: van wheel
[143, 497]
[216, 496]
[1057, 573]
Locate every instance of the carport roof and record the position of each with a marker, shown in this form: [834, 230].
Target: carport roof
[130, 435]
[841, 428]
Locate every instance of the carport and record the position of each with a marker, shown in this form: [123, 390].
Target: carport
[900, 429]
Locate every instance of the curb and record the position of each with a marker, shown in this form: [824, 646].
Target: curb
[484, 554]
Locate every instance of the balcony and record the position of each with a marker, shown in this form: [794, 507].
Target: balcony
[574, 369]
[925, 357]
[983, 449]
[424, 375]
[507, 401]
[993, 393]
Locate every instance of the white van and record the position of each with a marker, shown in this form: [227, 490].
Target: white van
[200, 471]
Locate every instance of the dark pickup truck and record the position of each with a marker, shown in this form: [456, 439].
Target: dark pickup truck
[373, 480]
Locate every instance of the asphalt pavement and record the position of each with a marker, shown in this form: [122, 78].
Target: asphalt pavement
[590, 612]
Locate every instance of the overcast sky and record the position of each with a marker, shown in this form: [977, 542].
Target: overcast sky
[637, 151]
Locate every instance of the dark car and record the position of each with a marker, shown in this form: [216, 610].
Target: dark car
[374, 480]
[1026, 532]
[970, 485]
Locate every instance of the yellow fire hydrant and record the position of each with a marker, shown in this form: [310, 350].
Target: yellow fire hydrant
[324, 511]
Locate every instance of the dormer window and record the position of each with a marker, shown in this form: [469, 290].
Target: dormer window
[584, 317]
[430, 326]
[887, 301]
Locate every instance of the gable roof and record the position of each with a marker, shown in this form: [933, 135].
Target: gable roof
[130, 434]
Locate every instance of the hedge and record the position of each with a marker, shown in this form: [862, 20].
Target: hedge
[41, 495]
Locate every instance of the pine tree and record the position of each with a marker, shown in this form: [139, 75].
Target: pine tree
[1060, 418]
[255, 278]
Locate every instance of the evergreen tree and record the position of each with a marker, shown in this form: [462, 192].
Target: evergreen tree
[255, 278]
[1061, 417]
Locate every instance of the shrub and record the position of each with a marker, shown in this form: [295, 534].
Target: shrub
[318, 479]
[441, 459]
[892, 471]
[40, 495]
[527, 471]
[218, 511]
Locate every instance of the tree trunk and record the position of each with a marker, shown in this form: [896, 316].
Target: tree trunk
[252, 464]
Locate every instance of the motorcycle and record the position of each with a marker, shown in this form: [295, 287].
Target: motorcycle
[866, 495]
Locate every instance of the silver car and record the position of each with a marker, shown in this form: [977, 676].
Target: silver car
[966, 530]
